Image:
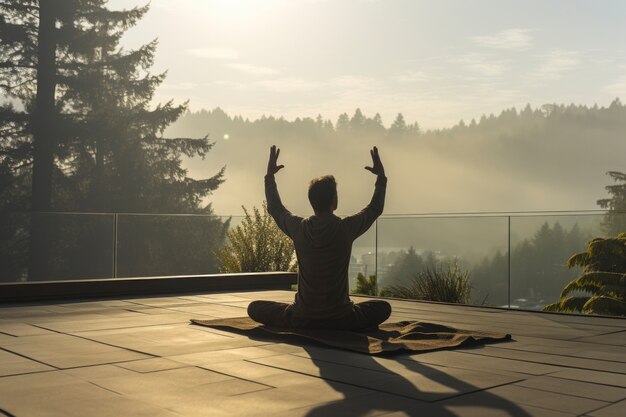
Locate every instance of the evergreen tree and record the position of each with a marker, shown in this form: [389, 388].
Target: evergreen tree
[398, 127]
[357, 122]
[615, 219]
[87, 134]
[343, 122]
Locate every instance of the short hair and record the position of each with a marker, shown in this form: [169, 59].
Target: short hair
[322, 192]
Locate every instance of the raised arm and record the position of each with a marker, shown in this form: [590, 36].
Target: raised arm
[358, 224]
[283, 218]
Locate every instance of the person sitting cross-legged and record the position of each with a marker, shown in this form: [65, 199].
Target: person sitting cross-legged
[323, 244]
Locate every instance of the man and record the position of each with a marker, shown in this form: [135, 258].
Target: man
[323, 244]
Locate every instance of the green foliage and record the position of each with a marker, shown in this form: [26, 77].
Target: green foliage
[366, 286]
[615, 219]
[601, 289]
[257, 245]
[104, 142]
[446, 283]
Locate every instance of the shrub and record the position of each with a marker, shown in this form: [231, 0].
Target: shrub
[257, 245]
[446, 283]
[365, 286]
[601, 289]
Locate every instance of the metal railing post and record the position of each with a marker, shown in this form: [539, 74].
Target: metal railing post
[376, 256]
[115, 246]
[509, 260]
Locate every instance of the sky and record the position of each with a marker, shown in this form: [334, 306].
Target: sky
[437, 62]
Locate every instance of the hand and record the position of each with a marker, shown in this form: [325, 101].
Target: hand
[272, 168]
[377, 168]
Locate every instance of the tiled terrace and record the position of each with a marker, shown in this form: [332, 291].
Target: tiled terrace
[140, 357]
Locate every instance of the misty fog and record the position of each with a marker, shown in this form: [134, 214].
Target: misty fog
[517, 161]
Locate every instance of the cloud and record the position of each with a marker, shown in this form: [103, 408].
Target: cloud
[351, 81]
[482, 65]
[617, 88]
[555, 64]
[513, 39]
[179, 86]
[234, 85]
[253, 69]
[412, 77]
[214, 53]
[288, 85]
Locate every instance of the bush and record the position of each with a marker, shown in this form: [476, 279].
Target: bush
[601, 289]
[447, 283]
[365, 286]
[257, 245]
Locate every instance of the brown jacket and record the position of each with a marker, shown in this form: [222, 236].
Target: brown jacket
[323, 246]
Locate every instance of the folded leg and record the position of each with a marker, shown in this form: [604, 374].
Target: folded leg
[271, 313]
[369, 314]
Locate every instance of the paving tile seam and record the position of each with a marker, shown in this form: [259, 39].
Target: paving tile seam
[452, 396]
[600, 408]
[8, 334]
[600, 334]
[233, 376]
[408, 359]
[300, 356]
[543, 353]
[30, 373]
[267, 388]
[371, 388]
[211, 330]
[330, 379]
[553, 375]
[165, 307]
[30, 359]
[353, 396]
[557, 365]
[569, 395]
[136, 311]
[479, 369]
[95, 383]
[105, 388]
[101, 343]
[75, 333]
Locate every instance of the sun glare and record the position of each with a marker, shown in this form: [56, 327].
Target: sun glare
[239, 9]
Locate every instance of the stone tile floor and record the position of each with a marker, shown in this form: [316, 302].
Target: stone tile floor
[140, 357]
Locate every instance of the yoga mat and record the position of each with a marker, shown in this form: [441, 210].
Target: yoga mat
[414, 336]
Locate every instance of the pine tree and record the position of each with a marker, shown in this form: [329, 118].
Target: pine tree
[343, 122]
[398, 127]
[87, 132]
[615, 219]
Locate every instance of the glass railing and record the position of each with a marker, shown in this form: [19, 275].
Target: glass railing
[516, 261]
[110, 245]
[501, 260]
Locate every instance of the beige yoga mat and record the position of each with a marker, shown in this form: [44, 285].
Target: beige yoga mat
[411, 336]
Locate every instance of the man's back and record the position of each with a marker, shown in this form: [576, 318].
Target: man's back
[323, 244]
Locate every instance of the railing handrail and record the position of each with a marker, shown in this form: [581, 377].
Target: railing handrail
[384, 216]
